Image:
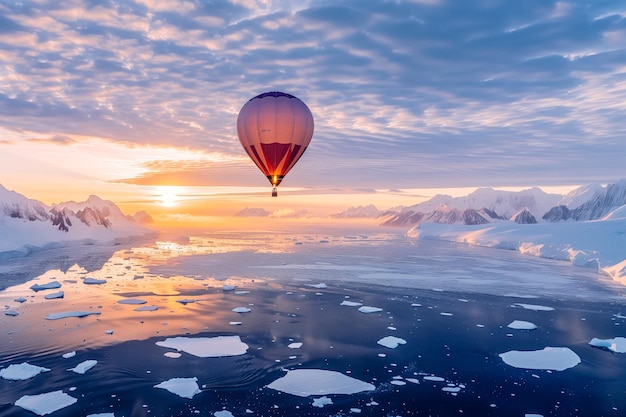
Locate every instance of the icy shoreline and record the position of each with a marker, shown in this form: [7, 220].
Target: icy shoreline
[600, 245]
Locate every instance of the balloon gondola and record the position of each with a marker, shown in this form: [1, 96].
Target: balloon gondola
[275, 129]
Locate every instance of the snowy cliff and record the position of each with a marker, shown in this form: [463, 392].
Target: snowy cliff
[27, 225]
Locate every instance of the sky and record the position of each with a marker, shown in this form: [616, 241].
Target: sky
[137, 100]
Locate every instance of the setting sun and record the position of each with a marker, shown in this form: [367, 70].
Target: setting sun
[168, 195]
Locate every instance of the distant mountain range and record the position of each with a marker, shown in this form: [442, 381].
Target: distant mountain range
[486, 205]
[27, 224]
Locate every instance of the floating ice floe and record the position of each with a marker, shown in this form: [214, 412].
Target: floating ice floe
[94, 281]
[548, 358]
[318, 286]
[69, 355]
[84, 366]
[49, 286]
[305, 382]
[172, 355]
[522, 325]
[617, 345]
[227, 287]
[183, 387]
[11, 313]
[295, 345]
[434, 378]
[368, 309]
[350, 303]
[206, 347]
[242, 310]
[101, 415]
[131, 301]
[66, 314]
[20, 300]
[322, 401]
[223, 413]
[54, 295]
[45, 403]
[147, 308]
[186, 301]
[391, 342]
[534, 307]
[21, 372]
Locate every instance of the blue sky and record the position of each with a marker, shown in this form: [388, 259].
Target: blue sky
[405, 94]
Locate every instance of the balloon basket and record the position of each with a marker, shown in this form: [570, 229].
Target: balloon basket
[274, 192]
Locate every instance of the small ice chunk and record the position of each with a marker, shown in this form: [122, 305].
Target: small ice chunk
[173, 355]
[101, 415]
[355, 410]
[131, 301]
[548, 358]
[21, 372]
[368, 309]
[49, 286]
[397, 382]
[391, 342]
[242, 310]
[46, 403]
[206, 347]
[186, 301]
[227, 287]
[84, 366]
[522, 325]
[617, 345]
[534, 307]
[108, 332]
[54, 295]
[183, 387]
[451, 389]
[242, 292]
[305, 382]
[69, 355]
[446, 314]
[223, 413]
[318, 286]
[350, 303]
[12, 313]
[235, 323]
[295, 345]
[322, 401]
[94, 281]
[65, 314]
[20, 300]
[434, 378]
[147, 308]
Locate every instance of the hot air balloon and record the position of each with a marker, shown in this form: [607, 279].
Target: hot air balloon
[275, 129]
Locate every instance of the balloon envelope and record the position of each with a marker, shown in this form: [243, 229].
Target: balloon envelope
[275, 129]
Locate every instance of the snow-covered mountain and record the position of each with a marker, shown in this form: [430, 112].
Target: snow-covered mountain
[360, 212]
[484, 205]
[27, 225]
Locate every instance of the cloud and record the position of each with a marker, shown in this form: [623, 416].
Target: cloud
[404, 93]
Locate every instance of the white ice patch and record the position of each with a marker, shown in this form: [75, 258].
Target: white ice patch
[617, 345]
[548, 358]
[434, 378]
[391, 342]
[46, 403]
[21, 372]
[147, 308]
[183, 387]
[131, 301]
[69, 354]
[48, 286]
[242, 310]
[94, 281]
[350, 303]
[322, 401]
[54, 295]
[305, 382]
[101, 415]
[206, 347]
[295, 345]
[318, 286]
[522, 325]
[223, 413]
[368, 309]
[173, 355]
[84, 366]
[534, 307]
[66, 314]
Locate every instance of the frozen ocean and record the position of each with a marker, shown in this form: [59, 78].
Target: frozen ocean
[319, 322]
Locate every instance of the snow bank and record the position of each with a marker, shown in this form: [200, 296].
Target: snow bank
[305, 382]
[596, 244]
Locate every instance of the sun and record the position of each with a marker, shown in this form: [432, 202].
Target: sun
[169, 195]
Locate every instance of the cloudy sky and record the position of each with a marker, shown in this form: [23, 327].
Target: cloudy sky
[116, 97]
